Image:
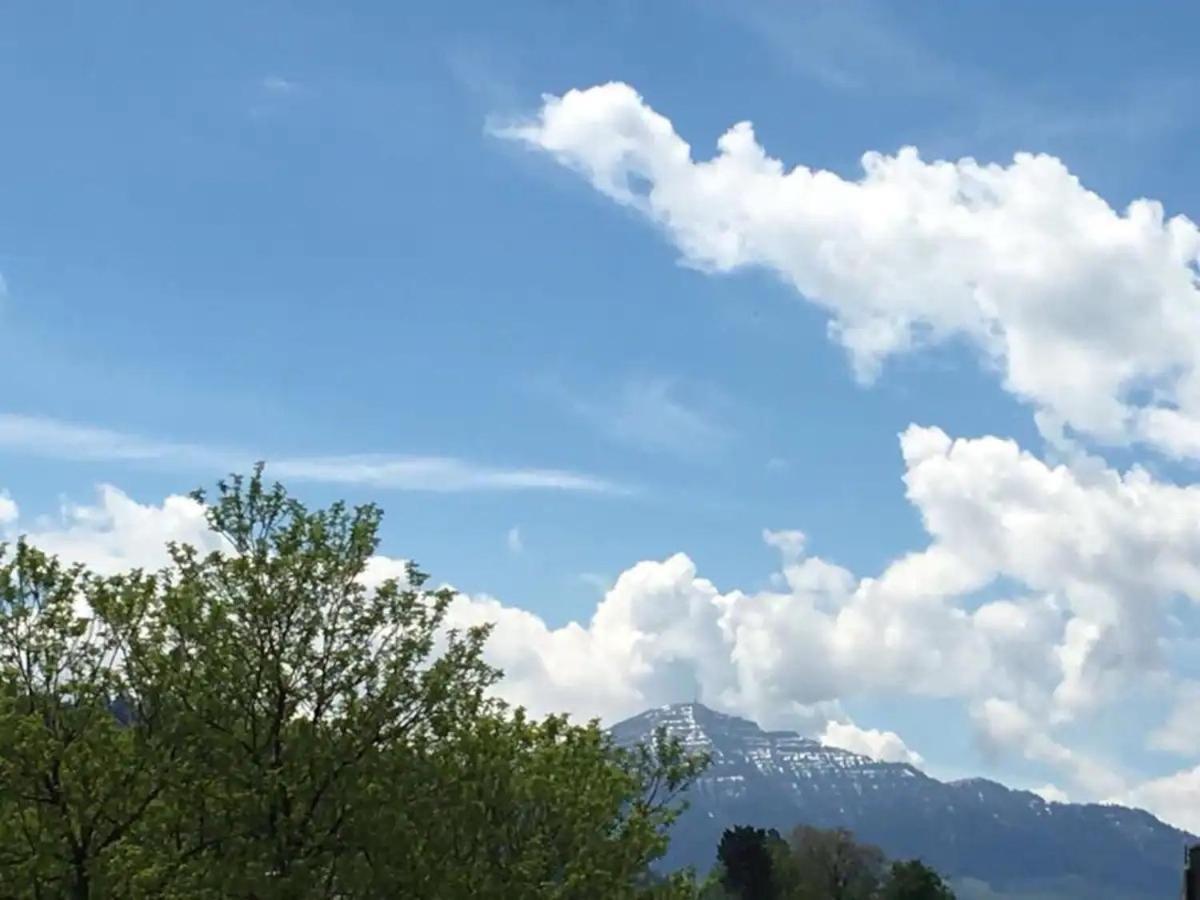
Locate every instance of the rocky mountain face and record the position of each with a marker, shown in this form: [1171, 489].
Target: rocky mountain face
[993, 841]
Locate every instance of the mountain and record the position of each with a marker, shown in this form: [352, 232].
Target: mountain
[993, 841]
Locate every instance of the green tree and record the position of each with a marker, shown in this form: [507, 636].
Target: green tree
[913, 880]
[746, 856]
[538, 809]
[830, 865]
[74, 783]
[263, 722]
[815, 864]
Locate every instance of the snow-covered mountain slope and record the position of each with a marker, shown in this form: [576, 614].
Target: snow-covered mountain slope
[737, 747]
[971, 829]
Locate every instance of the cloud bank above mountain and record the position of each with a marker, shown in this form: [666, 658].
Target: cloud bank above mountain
[1093, 558]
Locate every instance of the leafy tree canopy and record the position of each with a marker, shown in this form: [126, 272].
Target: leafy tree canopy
[261, 722]
[814, 864]
[746, 857]
[913, 880]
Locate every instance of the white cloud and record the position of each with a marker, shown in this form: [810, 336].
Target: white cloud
[1093, 556]
[1173, 798]
[276, 84]
[1181, 732]
[1052, 794]
[513, 540]
[434, 473]
[117, 533]
[882, 745]
[44, 437]
[1106, 549]
[790, 543]
[1006, 727]
[9, 511]
[1089, 313]
[602, 583]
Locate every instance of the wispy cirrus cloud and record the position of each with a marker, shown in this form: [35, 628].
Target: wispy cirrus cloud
[862, 47]
[435, 473]
[514, 541]
[274, 93]
[277, 84]
[654, 414]
[54, 439]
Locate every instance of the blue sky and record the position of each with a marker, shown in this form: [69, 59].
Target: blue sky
[288, 231]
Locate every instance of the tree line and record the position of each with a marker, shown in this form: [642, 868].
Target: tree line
[814, 864]
[260, 722]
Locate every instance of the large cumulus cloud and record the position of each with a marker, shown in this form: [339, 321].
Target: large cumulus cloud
[1089, 313]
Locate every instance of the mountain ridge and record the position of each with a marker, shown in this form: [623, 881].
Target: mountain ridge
[977, 831]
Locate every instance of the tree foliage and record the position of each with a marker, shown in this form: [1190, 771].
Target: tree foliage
[814, 864]
[831, 865]
[263, 722]
[913, 880]
[746, 856]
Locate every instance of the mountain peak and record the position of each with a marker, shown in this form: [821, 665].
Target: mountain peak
[697, 727]
[701, 716]
[974, 828]
[733, 743]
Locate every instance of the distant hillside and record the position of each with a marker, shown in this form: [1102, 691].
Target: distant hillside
[995, 842]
